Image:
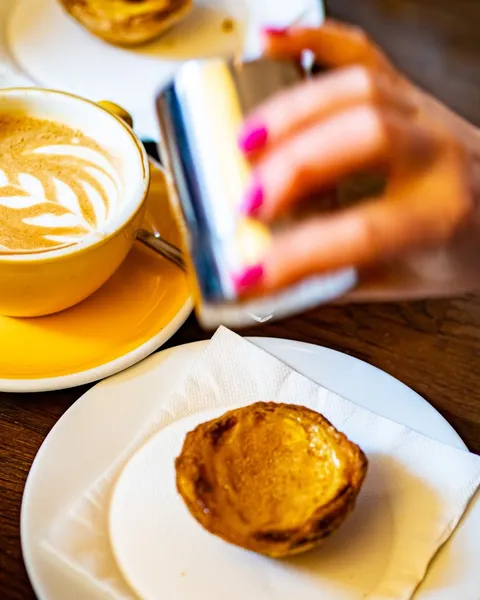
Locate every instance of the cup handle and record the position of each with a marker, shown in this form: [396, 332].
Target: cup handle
[152, 240]
[117, 110]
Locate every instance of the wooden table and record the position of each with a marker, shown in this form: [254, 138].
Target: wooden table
[434, 347]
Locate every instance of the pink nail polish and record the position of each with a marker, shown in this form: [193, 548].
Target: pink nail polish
[248, 277]
[275, 31]
[253, 199]
[253, 138]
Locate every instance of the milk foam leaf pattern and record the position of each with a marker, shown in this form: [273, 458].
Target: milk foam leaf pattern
[56, 186]
[94, 157]
[96, 201]
[66, 197]
[32, 185]
[105, 180]
[66, 221]
[19, 202]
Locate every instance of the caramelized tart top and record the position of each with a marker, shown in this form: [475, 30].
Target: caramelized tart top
[273, 478]
[127, 22]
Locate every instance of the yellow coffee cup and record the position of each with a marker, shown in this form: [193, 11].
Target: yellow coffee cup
[41, 283]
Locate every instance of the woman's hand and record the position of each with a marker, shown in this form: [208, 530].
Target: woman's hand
[420, 238]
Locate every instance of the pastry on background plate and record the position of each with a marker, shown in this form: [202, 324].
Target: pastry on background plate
[273, 478]
[127, 22]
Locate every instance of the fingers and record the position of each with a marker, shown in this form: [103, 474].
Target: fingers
[315, 100]
[357, 118]
[417, 213]
[334, 45]
[359, 138]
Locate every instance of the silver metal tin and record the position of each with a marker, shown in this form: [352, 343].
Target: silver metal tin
[199, 114]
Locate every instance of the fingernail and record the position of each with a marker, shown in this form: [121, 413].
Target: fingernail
[275, 31]
[248, 277]
[252, 138]
[253, 199]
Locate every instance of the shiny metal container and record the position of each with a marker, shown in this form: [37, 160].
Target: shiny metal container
[200, 114]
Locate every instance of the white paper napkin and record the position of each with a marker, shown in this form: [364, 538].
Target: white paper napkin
[415, 493]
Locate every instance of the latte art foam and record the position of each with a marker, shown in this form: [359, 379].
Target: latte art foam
[56, 185]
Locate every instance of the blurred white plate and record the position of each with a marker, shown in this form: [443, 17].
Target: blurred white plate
[9, 75]
[91, 435]
[56, 52]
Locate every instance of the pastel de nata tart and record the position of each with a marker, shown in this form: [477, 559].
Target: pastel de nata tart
[273, 478]
[127, 22]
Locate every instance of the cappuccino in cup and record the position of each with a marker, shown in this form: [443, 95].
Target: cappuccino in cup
[57, 185]
[73, 186]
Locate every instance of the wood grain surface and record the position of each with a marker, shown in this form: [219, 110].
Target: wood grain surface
[434, 347]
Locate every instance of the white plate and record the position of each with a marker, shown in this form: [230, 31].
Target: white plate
[54, 51]
[9, 75]
[92, 434]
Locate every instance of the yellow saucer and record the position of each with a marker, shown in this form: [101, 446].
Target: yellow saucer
[132, 315]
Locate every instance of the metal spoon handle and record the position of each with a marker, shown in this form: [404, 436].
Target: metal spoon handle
[162, 247]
